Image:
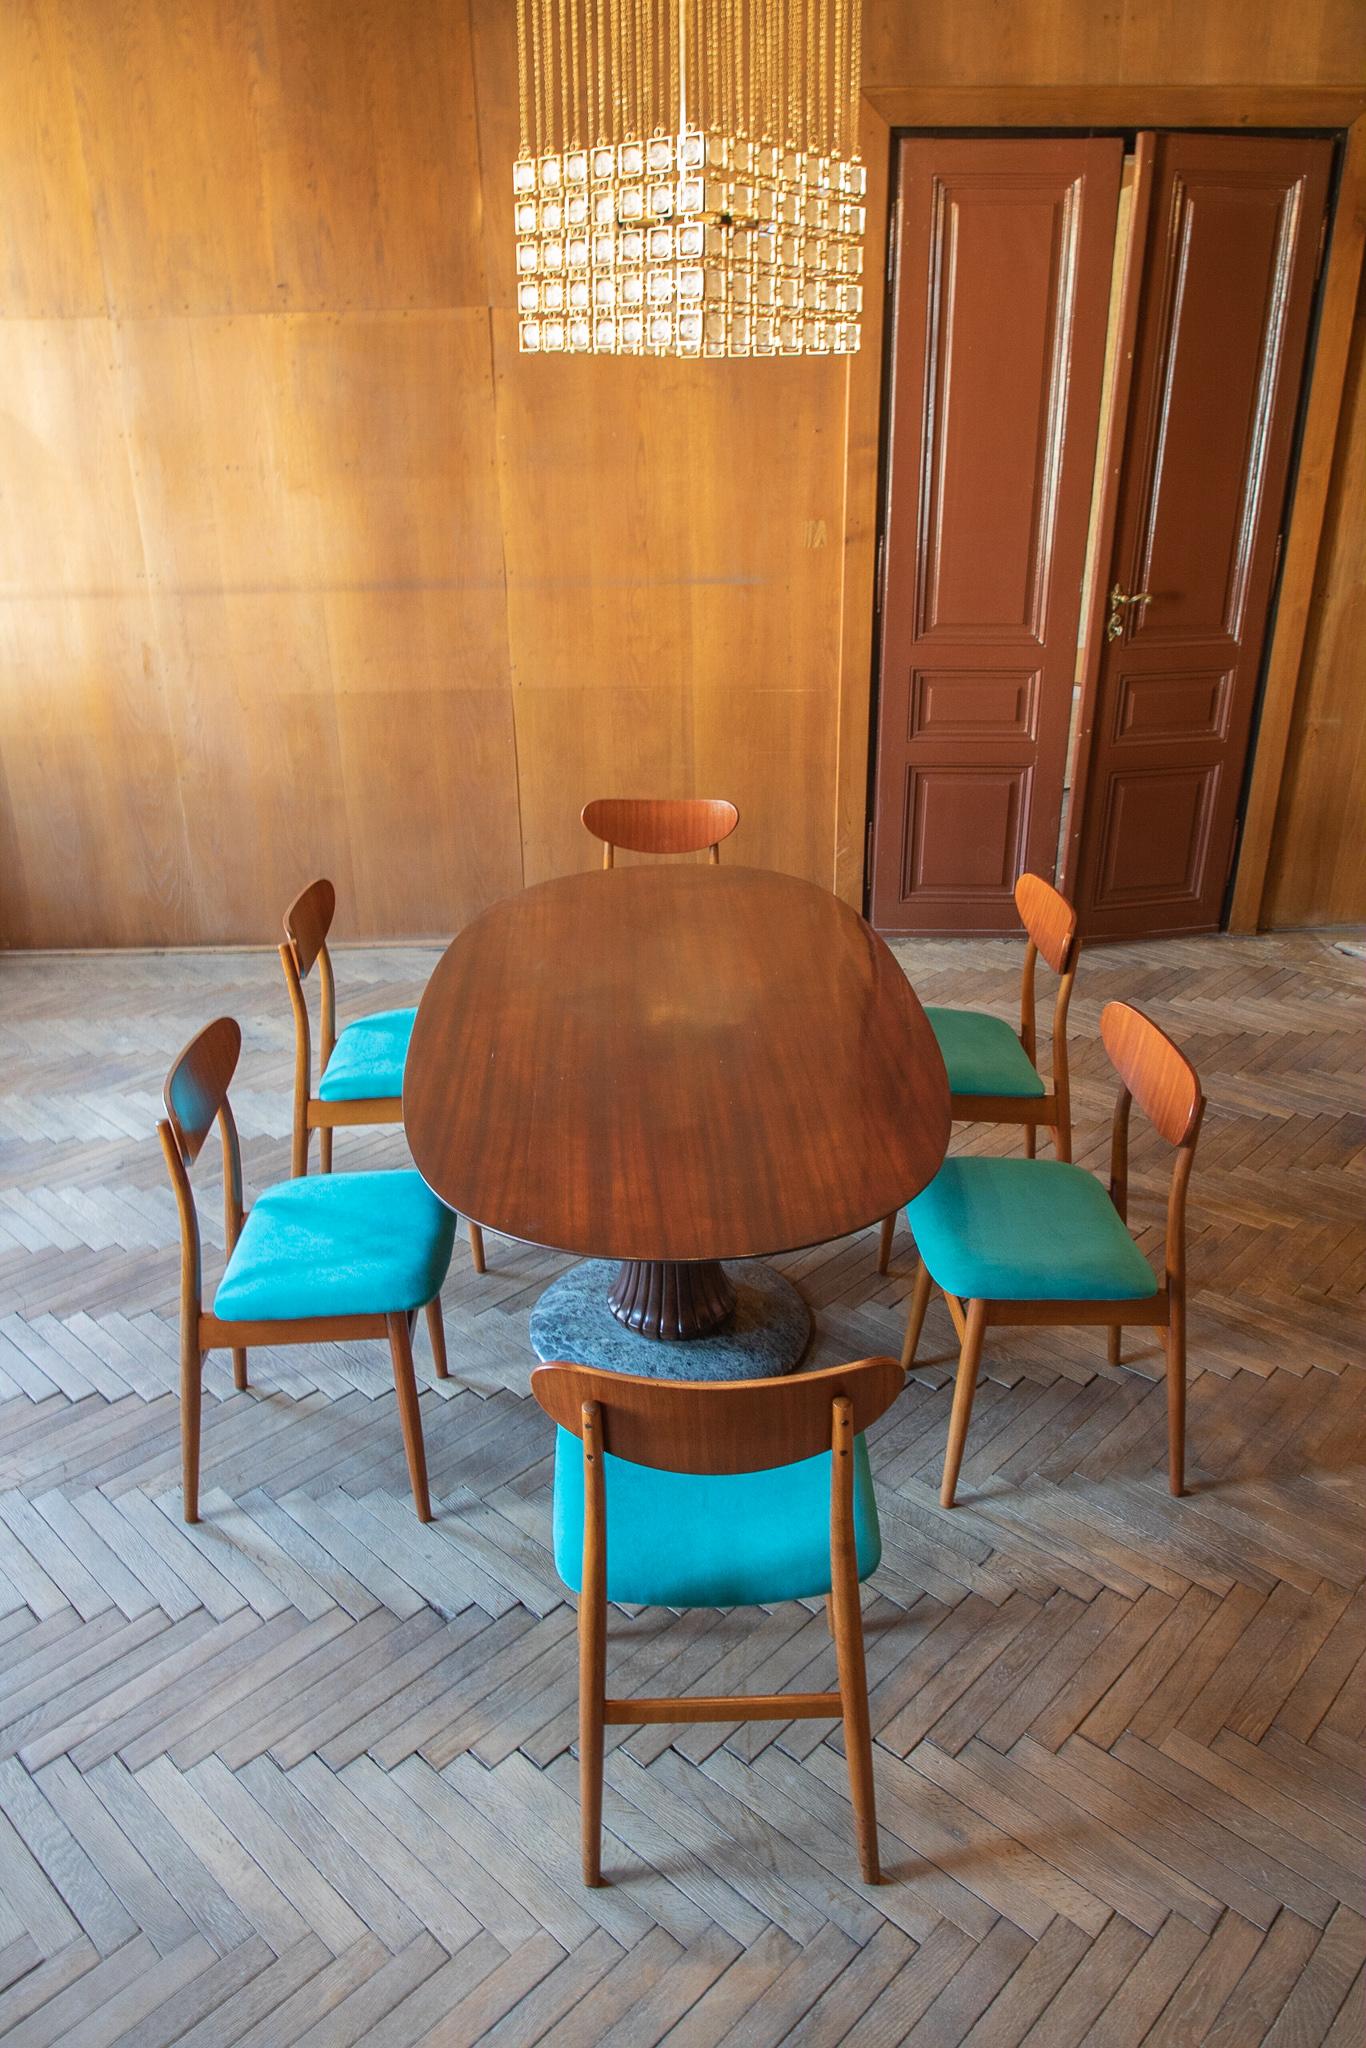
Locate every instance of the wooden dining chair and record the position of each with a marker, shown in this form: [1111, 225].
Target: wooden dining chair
[1039, 1241]
[993, 1070]
[361, 1071]
[707, 1494]
[314, 1261]
[660, 824]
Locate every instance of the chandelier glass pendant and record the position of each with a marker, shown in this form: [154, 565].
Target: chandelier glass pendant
[689, 181]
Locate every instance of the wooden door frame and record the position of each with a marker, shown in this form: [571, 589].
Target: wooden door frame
[1001, 108]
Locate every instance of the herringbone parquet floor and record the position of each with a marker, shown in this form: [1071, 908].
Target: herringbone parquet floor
[304, 1775]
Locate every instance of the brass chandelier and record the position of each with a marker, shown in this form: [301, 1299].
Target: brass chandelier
[689, 181]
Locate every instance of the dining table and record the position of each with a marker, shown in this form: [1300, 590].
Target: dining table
[674, 1072]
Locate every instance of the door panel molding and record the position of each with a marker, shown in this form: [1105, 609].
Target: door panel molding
[951, 218]
[1140, 698]
[983, 808]
[977, 704]
[1157, 836]
[1263, 372]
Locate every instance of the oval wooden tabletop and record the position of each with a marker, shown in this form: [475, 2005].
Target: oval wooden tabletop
[673, 1063]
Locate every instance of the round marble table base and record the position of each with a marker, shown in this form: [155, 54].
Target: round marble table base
[767, 1334]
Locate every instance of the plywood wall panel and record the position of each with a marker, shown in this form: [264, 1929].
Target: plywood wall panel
[253, 714]
[496, 103]
[68, 507]
[770, 748]
[253, 155]
[90, 777]
[1318, 864]
[49, 257]
[1154, 42]
[225, 493]
[168, 93]
[371, 166]
[712, 557]
[429, 782]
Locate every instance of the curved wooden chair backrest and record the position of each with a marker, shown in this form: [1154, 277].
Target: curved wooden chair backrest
[709, 1426]
[307, 923]
[197, 1085]
[660, 824]
[1154, 1071]
[1050, 920]
[196, 1097]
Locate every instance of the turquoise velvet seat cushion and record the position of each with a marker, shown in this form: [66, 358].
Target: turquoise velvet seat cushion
[682, 1539]
[983, 1054]
[1026, 1230]
[338, 1244]
[368, 1059]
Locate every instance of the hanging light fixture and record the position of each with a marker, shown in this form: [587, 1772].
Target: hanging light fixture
[689, 180]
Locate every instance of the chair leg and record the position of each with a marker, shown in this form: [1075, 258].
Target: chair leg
[592, 1687]
[884, 1247]
[191, 1398]
[1113, 1337]
[846, 1626]
[409, 1414]
[965, 1386]
[325, 1150]
[436, 1331]
[1175, 1338]
[1062, 1141]
[477, 1248]
[1031, 1140]
[915, 1321]
[239, 1371]
[592, 1643]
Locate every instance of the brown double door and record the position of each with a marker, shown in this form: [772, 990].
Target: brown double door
[1006, 255]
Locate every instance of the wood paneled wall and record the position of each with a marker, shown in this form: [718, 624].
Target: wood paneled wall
[1318, 854]
[303, 568]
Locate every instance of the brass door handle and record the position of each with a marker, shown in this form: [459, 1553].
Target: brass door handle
[1114, 625]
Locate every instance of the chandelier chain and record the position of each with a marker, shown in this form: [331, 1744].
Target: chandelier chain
[523, 83]
[793, 77]
[540, 56]
[813, 83]
[855, 73]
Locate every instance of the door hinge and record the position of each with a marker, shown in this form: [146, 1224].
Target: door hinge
[880, 575]
[868, 854]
